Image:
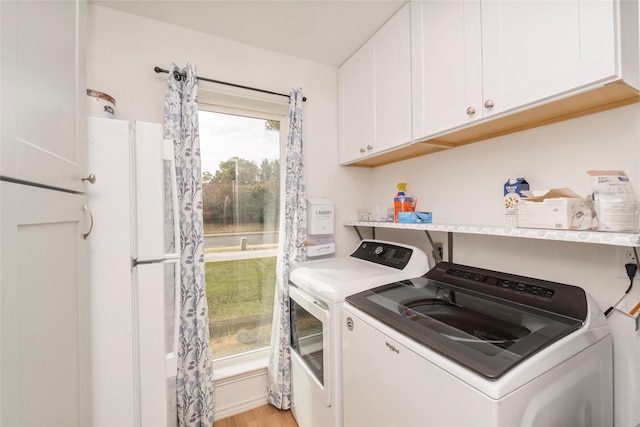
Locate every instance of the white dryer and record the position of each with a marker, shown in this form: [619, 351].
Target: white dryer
[317, 292]
[468, 347]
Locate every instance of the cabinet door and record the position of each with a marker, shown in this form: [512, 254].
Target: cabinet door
[447, 65]
[375, 92]
[44, 316]
[537, 49]
[42, 82]
[354, 78]
[391, 62]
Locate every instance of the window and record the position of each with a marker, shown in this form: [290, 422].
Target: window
[241, 195]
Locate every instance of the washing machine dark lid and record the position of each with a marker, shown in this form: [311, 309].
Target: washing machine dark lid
[486, 321]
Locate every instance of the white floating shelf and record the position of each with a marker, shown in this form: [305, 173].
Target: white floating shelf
[595, 237]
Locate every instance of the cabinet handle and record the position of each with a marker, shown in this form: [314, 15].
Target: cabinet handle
[361, 150]
[471, 111]
[91, 178]
[86, 209]
[488, 103]
[369, 147]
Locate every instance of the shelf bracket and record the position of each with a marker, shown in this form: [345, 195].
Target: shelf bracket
[437, 257]
[373, 232]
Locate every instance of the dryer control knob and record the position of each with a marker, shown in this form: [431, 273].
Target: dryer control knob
[378, 250]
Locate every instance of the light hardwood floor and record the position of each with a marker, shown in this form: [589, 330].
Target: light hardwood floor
[264, 416]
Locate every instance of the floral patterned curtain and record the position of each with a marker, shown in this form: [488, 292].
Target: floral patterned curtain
[195, 386]
[293, 233]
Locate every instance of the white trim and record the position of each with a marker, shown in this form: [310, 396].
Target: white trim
[241, 382]
[210, 100]
[240, 392]
[240, 364]
[238, 409]
[227, 256]
[249, 382]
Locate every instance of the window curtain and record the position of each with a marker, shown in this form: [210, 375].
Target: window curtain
[293, 234]
[195, 384]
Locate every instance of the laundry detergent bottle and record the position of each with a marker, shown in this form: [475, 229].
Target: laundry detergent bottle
[402, 202]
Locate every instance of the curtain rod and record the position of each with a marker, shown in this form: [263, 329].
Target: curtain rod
[178, 76]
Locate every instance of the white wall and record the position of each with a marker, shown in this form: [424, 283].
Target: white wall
[459, 186]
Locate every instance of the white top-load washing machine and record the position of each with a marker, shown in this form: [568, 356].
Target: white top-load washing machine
[463, 346]
[317, 292]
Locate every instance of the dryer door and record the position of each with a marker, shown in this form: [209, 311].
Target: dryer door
[310, 338]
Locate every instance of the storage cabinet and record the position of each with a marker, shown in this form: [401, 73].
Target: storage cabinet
[375, 92]
[483, 68]
[535, 50]
[44, 312]
[476, 59]
[447, 65]
[45, 372]
[355, 112]
[42, 82]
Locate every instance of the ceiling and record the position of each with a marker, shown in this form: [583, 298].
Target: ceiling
[323, 31]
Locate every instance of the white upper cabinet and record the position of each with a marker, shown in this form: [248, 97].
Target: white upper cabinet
[475, 59]
[42, 83]
[447, 65]
[354, 104]
[375, 92]
[391, 60]
[532, 50]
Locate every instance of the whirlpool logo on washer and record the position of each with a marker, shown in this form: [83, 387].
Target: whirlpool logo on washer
[392, 348]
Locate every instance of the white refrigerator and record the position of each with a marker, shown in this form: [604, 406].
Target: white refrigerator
[135, 274]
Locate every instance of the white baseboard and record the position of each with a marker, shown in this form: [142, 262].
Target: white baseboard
[221, 413]
[240, 393]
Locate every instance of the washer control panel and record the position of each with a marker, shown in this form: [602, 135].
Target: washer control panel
[383, 253]
[552, 297]
[516, 285]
